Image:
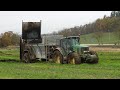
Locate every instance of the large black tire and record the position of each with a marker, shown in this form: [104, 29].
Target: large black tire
[26, 58]
[73, 58]
[57, 57]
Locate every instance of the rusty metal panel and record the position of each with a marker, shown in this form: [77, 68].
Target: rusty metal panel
[31, 30]
[51, 39]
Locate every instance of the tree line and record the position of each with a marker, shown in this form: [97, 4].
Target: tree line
[101, 25]
[9, 38]
[105, 24]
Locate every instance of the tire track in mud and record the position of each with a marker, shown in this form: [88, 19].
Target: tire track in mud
[9, 60]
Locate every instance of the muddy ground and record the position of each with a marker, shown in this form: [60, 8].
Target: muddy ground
[105, 48]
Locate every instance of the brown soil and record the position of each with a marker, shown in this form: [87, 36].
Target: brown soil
[106, 49]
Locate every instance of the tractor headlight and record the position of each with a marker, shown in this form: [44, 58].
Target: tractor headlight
[84, 49]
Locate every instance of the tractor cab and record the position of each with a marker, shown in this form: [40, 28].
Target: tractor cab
[72, 44]
[70, 48]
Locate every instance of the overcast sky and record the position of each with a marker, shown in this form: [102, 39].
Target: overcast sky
[51, 20]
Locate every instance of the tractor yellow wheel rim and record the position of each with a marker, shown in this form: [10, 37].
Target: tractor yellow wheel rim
[58, 60]
[72, 61]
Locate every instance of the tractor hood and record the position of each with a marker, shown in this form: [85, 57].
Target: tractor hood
[80, 48]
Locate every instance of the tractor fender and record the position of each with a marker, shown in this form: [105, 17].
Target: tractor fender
[70, 52]
[59, 49]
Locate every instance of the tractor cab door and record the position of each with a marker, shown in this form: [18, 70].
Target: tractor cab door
[65, 45]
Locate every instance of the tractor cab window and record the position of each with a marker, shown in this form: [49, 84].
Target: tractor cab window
[66, 45]
[63, 43]
[74, 41]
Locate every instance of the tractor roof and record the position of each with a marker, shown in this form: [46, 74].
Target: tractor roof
[71, 37]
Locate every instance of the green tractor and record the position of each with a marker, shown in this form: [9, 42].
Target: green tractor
[70, 51]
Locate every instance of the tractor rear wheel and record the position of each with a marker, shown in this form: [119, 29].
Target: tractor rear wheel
[57, 57]
[74, 58]
[26, 58]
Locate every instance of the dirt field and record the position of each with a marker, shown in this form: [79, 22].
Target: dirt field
[105, 49]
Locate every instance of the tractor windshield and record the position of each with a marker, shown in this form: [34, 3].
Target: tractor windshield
[69, 42]
[74, 41]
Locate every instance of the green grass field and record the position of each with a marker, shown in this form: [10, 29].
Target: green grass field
[105, 69]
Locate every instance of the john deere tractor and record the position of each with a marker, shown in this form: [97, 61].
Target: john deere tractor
[70, 51]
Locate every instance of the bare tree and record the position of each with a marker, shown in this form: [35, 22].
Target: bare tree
[98, 36]
[117, 35]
